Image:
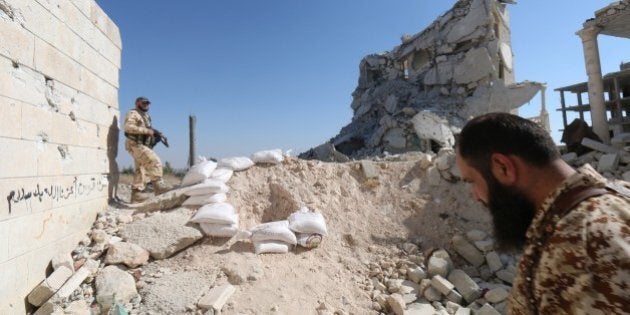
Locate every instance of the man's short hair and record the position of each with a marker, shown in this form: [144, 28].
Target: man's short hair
[506, 134]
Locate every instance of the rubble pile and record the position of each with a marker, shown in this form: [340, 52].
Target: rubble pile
[612, 161]
[414, 97]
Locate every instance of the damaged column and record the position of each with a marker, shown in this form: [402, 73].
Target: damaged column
[595, 81]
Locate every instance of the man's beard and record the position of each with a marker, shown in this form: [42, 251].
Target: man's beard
[512, 213]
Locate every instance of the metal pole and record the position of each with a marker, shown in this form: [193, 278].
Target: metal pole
[191, 156]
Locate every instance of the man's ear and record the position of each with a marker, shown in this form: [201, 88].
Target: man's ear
[503, 168]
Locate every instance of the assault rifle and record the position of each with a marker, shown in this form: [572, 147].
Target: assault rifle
[158, 137]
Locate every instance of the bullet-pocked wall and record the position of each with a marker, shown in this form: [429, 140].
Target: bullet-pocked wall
[59, 66]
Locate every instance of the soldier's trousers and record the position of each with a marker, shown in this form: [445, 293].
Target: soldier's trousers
[147, 165]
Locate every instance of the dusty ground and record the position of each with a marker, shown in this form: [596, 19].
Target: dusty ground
[368, 220]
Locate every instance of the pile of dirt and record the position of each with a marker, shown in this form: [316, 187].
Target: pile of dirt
[368, 219]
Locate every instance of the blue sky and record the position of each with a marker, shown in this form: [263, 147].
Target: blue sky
[279, 73]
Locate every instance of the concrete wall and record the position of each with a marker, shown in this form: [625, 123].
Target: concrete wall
[59, 65]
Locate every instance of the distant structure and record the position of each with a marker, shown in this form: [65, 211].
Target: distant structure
[416, 96]
[609, 114]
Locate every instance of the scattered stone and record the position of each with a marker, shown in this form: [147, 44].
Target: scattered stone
[441, 284]
[62, 259]
[437, 266]
[369, 170]
[77, 278]
[431, 294]
[129, 254]
[466, 286]
[596, 145]
[496, 295]
[217, 297]
[124, 218]
[454, 297]
[49, 286]
[463, 311]
[468, 251]
[99, 236]
[114, 286]
[608, 162]
[494, 261]
[476, 235]
[419, 309]
[487, 309]
[396, 303]
[485, 245]
[416, 274]
[505, 275]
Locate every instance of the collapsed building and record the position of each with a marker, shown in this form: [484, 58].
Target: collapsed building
[416, 96]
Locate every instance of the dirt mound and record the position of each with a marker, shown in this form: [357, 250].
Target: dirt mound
[368, 219]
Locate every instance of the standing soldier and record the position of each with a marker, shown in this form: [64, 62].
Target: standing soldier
[140, 140]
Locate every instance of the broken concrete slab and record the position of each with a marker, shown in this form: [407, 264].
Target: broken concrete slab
[49, 286]
[162, 234]
[158, 294]
[165, 201]
[596, 145]
[216, 298]
[428, 125]
[608, 162]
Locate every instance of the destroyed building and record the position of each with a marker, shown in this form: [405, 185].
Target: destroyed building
[417, 95]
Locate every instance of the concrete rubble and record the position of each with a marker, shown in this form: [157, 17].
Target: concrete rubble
[415, 96]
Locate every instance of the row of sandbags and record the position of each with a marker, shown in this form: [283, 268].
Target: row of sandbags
[207, 188]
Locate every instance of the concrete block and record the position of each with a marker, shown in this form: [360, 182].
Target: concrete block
[468, 251]
[505, 275]
[455, 297]
[4, 241]
[20, 161]
[96, 87]
[496, 295]
[608, 162]
[36, 19]
[437, 266]
[441, 284]
[21, 83]
[494, 261]
[476, 235]
[217, 297]
[468, 288]
[77, 278]
[98, 64]
[49, 286]
[596, 145]
[17, 43]
[54, 64]
[48, 308]
[100, 19]
[10, 122]
[485, 245]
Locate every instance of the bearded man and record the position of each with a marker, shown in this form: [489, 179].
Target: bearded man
[572, 225]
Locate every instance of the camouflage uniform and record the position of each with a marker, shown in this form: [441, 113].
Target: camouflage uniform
[147, 163]
[584, 267]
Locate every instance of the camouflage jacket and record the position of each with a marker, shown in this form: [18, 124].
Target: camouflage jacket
[584, 266]
[137, 128]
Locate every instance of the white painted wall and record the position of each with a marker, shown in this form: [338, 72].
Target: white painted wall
[59, 66]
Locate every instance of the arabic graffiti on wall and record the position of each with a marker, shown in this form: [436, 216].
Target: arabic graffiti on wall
[56, 192]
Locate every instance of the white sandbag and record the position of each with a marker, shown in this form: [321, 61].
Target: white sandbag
[236, 163]
[207, 187]
[220, 213]
[219, 230]
[308, 240]
[198, 173]
[222, 174]
[268, 156]
[271, 247]
[201, 200]
[273, 231]
[306, 221]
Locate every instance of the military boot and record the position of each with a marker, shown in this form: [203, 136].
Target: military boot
[138, 196]
[160, 187]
